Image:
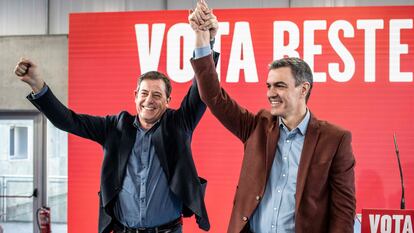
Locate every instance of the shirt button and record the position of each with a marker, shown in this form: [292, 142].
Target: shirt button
[285, 158]
[275, 208]
[245, 219]
[287, 141]
[273, 226]
[283, 175]
[257, 198]
[278, 190]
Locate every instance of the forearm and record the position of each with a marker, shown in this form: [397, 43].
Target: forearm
[234, 117]
[206, 76]
[63, 118]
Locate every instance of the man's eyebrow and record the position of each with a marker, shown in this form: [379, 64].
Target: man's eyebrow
[276, 83]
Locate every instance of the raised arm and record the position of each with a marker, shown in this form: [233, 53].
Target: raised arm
[42, 98]
[192, 107]
[234, 117]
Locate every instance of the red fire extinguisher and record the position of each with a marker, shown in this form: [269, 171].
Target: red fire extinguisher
[43, 219]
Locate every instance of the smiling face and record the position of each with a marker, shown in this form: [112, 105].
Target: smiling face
[287, 99]
[151, 101]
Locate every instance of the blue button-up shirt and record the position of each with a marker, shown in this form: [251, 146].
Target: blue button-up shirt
[276, 211]
[145, 199]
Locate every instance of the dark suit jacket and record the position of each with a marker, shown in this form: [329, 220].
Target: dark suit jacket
[116, 134]
[325, 188]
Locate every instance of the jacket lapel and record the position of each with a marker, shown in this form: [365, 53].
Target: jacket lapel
[309, 145]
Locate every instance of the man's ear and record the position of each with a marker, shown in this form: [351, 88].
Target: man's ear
[305, 88]
[168, 100]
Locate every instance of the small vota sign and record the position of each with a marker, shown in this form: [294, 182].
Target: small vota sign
[387, 221]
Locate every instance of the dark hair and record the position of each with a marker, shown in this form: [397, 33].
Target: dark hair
[299, 68]
[155, 75]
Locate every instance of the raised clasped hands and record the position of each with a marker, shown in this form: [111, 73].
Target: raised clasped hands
[203, 22]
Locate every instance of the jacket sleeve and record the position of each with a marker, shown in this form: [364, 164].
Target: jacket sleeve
[342, 182]
[235, 118]
[192, 107]
[86, 126]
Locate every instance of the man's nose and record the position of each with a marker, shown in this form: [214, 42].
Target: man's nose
[149, 98]
[271, 92]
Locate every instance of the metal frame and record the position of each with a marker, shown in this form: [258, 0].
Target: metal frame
[39, 156]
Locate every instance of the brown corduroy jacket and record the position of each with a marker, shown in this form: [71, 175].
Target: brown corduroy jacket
[325, 188]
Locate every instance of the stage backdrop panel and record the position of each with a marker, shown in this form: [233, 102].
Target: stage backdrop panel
[362, 58]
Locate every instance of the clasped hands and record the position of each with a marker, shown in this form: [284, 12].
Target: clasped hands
[203, 21]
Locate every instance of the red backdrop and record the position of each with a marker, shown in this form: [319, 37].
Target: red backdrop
[363, 63]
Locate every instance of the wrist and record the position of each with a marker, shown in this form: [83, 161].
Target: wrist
[202, 39]
[37, 86]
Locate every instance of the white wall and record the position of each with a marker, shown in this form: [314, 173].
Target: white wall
[51, 55]
[39, 17]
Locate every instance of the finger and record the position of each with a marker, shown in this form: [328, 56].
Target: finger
[193, 25]
[207, 24]
[207, 12]
[22, 68]
[204, 4]
[204, 16]
[193, 22]
[212, 14]
[190, 15]
[18, 72]
[194, 16]
[23, 65]
[25, 61]
[211, 23]
[202, 28]
[200, 20]
[215, 26]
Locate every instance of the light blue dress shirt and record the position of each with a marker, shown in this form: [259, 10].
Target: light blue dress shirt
[276, 211]
[145, 199]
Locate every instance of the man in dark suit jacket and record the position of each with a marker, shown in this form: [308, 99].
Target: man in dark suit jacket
[297, 173]
[147, 165]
